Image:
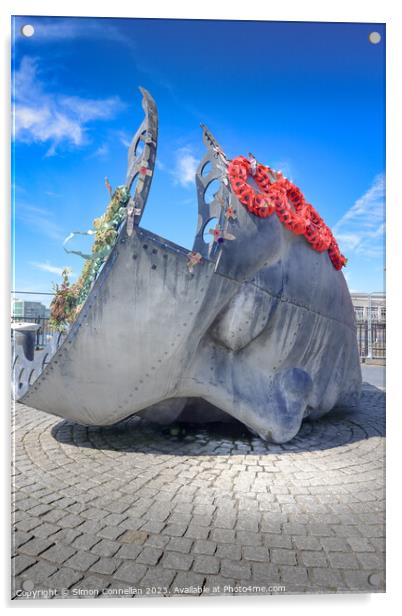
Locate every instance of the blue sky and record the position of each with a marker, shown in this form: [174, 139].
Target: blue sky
[307, 98]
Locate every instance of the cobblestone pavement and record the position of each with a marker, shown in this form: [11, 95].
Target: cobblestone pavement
[132, 509]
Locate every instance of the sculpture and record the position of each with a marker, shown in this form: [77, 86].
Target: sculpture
[255, 322]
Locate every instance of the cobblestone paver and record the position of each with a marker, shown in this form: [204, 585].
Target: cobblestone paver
[130, 510]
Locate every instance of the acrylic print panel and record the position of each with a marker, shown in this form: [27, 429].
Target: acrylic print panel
[198, 313]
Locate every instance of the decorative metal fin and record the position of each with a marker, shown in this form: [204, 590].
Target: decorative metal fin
[212, 167]
[141, 163]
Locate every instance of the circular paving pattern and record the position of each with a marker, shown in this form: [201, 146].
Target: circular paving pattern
[135, 509]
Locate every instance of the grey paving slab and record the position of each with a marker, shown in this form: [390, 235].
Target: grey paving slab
[206, 564]
[176, 561]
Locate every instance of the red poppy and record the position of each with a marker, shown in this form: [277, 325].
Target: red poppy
[280, 195]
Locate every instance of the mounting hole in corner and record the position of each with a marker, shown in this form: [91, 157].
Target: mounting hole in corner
[27, 30]
[374, 38]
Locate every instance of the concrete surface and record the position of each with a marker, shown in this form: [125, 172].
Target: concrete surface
[375, 375]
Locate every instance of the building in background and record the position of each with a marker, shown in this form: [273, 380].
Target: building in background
[28, 310]
[365, 302]
[370, 312]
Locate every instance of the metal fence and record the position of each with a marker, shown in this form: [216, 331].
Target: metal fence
[43, 331]
[371, 346]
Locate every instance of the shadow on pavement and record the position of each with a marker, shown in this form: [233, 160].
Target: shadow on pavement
[339, 428]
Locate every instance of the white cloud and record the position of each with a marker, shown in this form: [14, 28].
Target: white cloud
[56, 119]
[101, 152]
[361, 230]
[86, 109]
[185, 167]
[160, 165]
[124, 138]
[59, 29]
[53, 269]
[40, 220]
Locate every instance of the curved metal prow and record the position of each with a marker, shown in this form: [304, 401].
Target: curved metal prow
[141, 161]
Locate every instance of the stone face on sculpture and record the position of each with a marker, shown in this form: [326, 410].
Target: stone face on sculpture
[255, 322]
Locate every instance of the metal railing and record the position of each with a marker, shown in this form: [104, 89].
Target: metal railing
[371, 339]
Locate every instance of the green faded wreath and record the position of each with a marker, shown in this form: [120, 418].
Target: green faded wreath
[69, 298]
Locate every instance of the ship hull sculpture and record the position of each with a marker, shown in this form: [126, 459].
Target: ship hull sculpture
[255, 322]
